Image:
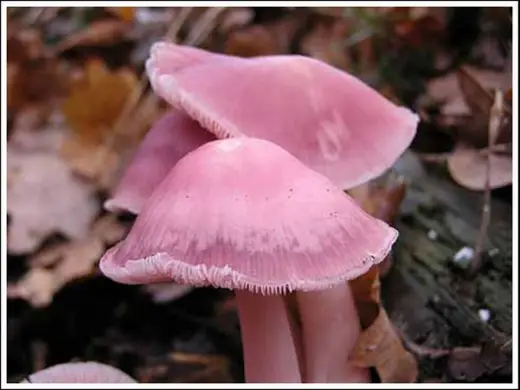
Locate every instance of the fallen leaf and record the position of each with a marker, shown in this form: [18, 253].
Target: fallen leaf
[45, 197]
[366, 289]
[467, 166]
[382, 199]
[480, 100]
[100, 32]
[379, 346]
[97, 99]
[446, 88]
[471, 363]
[69, 261]
[93, 110]
[37, 287]
[33, 77]
[57, 265]
[98, 163]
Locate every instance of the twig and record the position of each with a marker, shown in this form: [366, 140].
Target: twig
[494, 124]
[204, 25]
[136, 96]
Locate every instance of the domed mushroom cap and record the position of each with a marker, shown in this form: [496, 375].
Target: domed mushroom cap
[83, 372]
[331, 121]
[169, 139]
[243, 213]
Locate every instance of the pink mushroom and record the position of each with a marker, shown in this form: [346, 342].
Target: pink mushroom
[171, 137]
[85, 372]
[328, 119]
[245, 214]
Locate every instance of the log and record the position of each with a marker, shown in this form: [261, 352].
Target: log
[427, 294]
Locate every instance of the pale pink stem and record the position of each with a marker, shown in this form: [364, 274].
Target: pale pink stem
[330, 329]
[269, 351]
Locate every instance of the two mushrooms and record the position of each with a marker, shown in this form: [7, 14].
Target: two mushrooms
[241, 185]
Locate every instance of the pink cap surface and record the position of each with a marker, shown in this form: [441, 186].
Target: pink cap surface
[169, 139]
[83, 372]
[243, 213]
[331, 121]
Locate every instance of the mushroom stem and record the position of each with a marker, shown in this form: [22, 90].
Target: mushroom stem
[330, 329]
[270, 354]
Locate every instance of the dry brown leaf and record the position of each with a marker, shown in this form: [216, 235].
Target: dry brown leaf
[95, 162]
[467, 166]
[470, 363]
[480, 100]
[100, 32]
[45, 197]
[379, 346]
[92, 110]
[447, 88]
[33, 77]
[381, 198]
[365, 290]
[97, 99]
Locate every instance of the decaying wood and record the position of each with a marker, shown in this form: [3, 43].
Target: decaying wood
[427, 294]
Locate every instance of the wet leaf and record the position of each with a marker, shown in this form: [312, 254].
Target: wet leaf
[379, 346]
[467, 167]
[43, 194]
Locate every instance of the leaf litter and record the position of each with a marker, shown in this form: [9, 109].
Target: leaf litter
[76, 123]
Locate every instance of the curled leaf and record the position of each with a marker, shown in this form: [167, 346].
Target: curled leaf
[379, 346]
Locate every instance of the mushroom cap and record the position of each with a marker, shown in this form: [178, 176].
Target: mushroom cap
[243, 213]
[80, 372]
[169, 139]
[328, 119]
